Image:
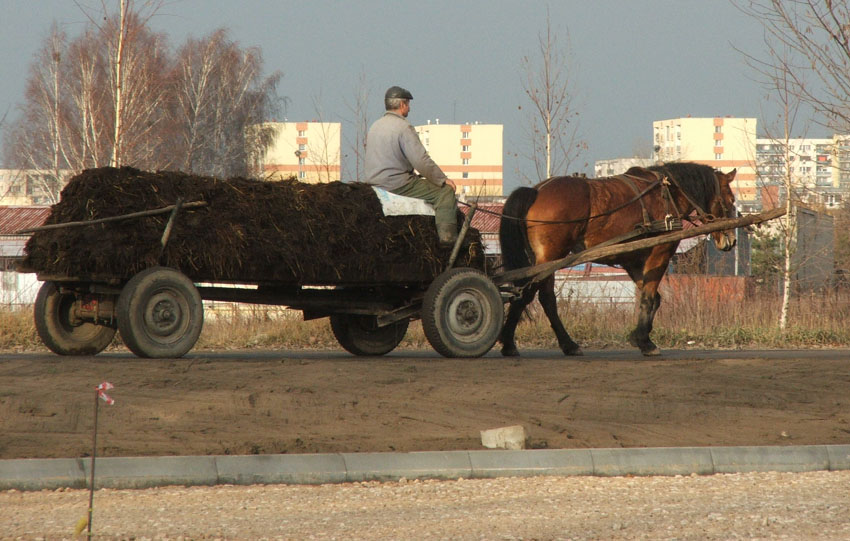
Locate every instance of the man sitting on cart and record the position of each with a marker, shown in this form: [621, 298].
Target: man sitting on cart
[397, 161]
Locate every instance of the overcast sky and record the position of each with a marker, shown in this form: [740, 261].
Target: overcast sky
[634, 61]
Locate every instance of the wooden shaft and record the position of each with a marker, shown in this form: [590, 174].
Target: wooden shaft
[538, 272]
[140, 214]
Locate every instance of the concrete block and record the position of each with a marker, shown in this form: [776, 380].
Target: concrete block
[145, 472]
[507, 437]
[419, 465]
[770, 458]
[839, 457]
[41, 473]
[531, 462]
[652, 461]
[290, 469]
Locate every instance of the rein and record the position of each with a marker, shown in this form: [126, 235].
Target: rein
[637, 197]
[667, 224]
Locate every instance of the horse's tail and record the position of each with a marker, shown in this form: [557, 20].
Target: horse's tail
[516, 253]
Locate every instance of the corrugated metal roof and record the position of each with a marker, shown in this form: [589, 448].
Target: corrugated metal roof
[16, 218]
[486, 219]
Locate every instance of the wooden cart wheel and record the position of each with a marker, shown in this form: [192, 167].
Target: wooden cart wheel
[462, 313]
[360, 335]
[160, 313]
[61, 331]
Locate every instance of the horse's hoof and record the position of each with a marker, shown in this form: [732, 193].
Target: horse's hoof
[574, 351]
[511, 351]
[652, 352]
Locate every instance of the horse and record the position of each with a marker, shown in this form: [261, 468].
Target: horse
[564, 215]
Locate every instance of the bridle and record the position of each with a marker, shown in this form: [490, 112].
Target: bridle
[703, 215]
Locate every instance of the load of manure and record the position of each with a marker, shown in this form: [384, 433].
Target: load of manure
[249, 231]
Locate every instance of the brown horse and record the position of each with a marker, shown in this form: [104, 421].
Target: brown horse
[563, 215]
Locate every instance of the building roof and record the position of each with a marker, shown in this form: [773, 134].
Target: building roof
[14, 219]
[486, 218]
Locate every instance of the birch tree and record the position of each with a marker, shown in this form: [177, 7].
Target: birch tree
[552, 121]
[219, 91]
[42, 149]
[807, 63]
[116, 95]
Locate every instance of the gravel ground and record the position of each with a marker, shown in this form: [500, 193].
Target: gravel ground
[749, 506]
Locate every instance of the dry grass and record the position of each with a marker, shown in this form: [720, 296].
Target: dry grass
[17, 330]
[815, 321]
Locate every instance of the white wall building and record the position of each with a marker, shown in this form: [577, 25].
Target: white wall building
[470, 154]
[308, 151]
[724, 143]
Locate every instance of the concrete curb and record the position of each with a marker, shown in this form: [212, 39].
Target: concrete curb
[146, 472]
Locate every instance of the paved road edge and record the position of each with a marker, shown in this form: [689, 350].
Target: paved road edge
[146, 472]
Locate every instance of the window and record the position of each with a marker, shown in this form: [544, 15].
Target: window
[302, 133]
[302, 146]
[466, 161]
[465, 135]
[300, 161]
[465, 174]
[718, 156]
[718, 129]
[302, 175]
[465, 148]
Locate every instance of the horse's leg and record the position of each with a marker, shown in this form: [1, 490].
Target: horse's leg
[549, 302]
[647, 278]
[650, 300]
[515, 310]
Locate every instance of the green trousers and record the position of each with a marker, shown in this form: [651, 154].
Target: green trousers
[442, 198]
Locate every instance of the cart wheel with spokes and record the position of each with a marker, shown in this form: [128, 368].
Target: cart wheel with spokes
[462, 313]
[61, 330]
[360, 335]
[160, 313]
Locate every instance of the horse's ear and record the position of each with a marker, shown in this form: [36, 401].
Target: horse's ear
[730, 176]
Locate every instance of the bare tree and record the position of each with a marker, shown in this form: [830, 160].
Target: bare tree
[359, 109]
[42, 149]
[816, 34]
[136, 60]
[322, 153]
[115, 95]
[552, 127]
[219, 91]
[790, 105]
[807, 40]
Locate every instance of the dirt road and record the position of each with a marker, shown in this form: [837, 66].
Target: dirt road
[302, 402]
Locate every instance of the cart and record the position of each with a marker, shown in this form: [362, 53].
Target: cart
[159, 311]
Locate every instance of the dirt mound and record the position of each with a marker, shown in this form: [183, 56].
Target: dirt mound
[250, 231]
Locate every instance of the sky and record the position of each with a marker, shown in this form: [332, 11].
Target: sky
[632, 61]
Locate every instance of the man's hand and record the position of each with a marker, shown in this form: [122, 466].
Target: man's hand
[452, 184]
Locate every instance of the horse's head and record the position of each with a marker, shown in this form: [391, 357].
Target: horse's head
[722, 205]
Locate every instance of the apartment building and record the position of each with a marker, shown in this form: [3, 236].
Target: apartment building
[814, 175]
[308, 151]
[470, 154]
[26, 187]
[722, 142]
[618, 166]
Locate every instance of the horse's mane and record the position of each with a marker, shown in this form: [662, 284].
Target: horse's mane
[695, 178]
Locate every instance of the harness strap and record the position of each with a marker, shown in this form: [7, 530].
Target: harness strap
[627, 180]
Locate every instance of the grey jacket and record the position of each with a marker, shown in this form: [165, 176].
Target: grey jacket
[394, 152]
